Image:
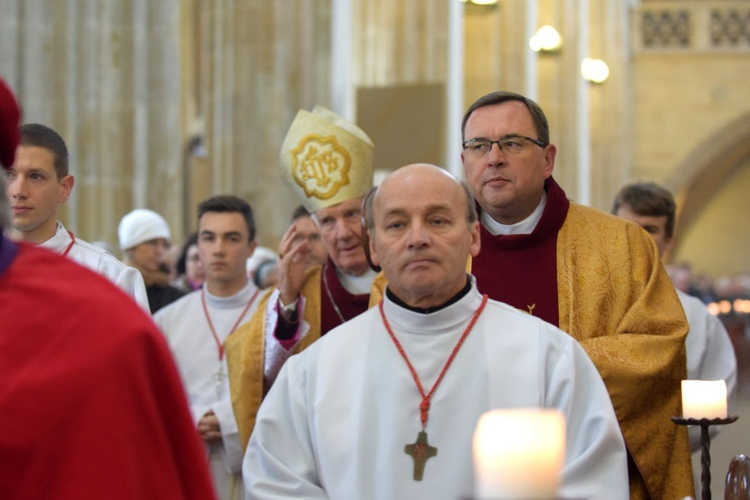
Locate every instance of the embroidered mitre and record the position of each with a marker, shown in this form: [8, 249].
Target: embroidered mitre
[326, 159]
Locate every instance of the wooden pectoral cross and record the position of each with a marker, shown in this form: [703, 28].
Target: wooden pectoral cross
[420, 451]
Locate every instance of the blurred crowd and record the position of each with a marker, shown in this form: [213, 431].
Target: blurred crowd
[728, 298]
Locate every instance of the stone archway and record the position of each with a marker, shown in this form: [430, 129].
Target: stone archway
[706, 169]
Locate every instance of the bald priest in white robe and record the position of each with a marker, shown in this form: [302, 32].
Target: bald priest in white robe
[344, 418]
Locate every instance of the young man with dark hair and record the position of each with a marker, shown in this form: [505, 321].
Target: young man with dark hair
[198, 325]
[37, 184]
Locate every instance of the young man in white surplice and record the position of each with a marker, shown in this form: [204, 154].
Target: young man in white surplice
[198, 324]
[39, 182]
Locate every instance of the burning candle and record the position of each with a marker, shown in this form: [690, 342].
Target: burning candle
[519, 454]
[704, 399]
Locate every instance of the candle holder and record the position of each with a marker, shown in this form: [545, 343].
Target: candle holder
[705, 423]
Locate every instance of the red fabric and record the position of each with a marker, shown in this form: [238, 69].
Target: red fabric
[10, 117]
[521, 269]
[349, 305]
[91, 402]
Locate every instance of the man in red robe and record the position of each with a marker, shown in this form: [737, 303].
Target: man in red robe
[594, 276]
[91, 401]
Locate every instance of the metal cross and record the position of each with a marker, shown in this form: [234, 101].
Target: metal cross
[219, 377]
[420, 451]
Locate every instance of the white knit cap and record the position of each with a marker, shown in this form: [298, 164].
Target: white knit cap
[141, 225]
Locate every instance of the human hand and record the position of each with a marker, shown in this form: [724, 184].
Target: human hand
[292, 265]
[208, 427]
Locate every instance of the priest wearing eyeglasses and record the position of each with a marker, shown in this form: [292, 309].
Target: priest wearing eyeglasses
[596, 277]
[385, 406]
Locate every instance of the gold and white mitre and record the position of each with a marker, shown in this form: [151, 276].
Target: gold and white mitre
[326, 159]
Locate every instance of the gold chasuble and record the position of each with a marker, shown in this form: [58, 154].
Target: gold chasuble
[615, 298]
[245, 350]
[630, 322]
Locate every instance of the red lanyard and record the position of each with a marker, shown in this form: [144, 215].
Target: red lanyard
[70, 245]
[219, 345]
[424, 406]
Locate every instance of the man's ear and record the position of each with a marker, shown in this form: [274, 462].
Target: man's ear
[373, 254]
[66, 186]
[476, 239]
[668, 245]
[252, 246]
[549, 160]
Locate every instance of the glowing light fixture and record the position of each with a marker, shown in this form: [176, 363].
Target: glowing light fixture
[546, 39]
[480, 2]
[594, 70]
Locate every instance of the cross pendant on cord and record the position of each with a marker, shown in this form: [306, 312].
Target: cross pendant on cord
[420, 451]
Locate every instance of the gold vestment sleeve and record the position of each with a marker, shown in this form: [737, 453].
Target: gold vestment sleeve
[245, 350]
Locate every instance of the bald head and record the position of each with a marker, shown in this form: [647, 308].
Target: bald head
[423, 228]
[422, 174]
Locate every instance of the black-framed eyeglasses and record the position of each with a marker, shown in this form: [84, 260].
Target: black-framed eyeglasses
[511, 144]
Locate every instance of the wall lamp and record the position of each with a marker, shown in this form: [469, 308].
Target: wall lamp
[594, 70]
[480, 2]
[546, 40]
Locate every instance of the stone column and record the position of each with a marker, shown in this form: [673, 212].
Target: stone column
[106, 76]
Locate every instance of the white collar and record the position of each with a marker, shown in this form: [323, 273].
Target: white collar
[59, 241]
[357, 285]
[525, 226]
[445, 320]
[233, 301]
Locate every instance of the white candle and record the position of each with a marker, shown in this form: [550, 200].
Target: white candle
[519, 454]
[704, 399]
